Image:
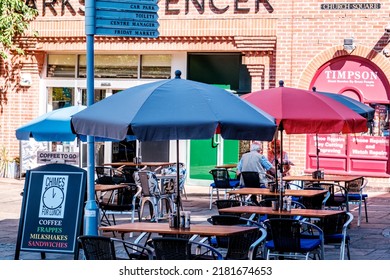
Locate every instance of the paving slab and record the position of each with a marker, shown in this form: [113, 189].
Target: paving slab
[370, 241]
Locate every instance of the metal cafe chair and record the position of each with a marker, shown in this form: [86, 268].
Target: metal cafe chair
[106, 248]
[151, 194]
[241, 247]
[175, 248]
[121, 201]
[222, 181]
[293, 239]
[108, 175]
[335, 230]
[251, 179]
[356, 195]
[246, 246]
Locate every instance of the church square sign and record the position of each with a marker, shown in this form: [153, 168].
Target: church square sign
[350, 6]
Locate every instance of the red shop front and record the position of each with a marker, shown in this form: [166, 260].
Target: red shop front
[354, 154]
[364, 154]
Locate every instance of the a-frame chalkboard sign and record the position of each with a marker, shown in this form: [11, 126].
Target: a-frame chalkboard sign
[52, 210]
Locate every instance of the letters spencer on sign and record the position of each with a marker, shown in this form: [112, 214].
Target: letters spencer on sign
[52, 208]
[61, 7]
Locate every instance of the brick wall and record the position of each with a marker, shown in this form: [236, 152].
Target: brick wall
[280, 40]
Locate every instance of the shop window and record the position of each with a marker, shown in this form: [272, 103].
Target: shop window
[61, 65]
[156, 66]
[380, 125]
[111, 66]
[60, 97]
[99, 94]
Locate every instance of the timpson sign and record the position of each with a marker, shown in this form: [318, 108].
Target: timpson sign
[172, 7]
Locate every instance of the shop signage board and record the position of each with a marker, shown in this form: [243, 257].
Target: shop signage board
[127, 32]
[125, 6]
[127, 18]
[116, 16]
[126, 24]
[45, 157]
[363, 154]
[52, 208]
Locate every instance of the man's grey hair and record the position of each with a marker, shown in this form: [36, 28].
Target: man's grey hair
[255, 147]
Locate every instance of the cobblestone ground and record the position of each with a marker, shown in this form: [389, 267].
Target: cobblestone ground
[370, 241]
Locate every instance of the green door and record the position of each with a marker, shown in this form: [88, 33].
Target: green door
[204, 155]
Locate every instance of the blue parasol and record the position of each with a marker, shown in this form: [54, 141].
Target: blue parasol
[174, 109]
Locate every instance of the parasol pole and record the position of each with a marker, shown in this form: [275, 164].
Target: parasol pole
[276, 161]
[91, 210]
[317, 153]
[314, 89]
[178, 201]
[281, 169]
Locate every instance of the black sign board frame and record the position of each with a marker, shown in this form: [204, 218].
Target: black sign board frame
[52, 210]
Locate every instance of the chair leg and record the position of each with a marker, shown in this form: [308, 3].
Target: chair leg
[184, 192]
[156, 212]
[211, 191]
[142, 210]
[359, 213]
[365, 209]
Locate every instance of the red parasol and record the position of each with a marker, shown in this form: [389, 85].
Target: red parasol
[299, 111]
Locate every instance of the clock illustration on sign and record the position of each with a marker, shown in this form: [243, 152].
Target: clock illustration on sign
[53, 197]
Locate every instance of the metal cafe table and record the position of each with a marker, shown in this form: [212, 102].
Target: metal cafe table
[163, 228]
[327, 178]
[265, 191]
[308, 213]
[147, 164]
[336, 179]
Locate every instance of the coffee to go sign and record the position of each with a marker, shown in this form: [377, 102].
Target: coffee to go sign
[44, 157]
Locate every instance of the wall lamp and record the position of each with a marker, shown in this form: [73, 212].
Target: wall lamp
[349, 45]
[387, 29]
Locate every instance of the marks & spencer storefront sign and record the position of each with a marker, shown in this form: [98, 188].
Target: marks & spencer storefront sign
[172, 7]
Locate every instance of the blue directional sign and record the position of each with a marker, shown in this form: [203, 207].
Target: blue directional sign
[119, 15]
[138, 6]
[127, 24]
[127, 32]
[128, 18]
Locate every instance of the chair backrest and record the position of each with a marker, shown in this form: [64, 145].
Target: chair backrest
[97, 247]
[171, 248]
[356, 186]
[104, 175]
[285, 234]
[221, 178]
[318, 201]
[227, 203]
[335, 224]
[169, 184]
[126, 195]
[239, 245]
[103, 171]
[225, 220]
[128, 173]
[147, 180]
[337, 194]
[251, 179]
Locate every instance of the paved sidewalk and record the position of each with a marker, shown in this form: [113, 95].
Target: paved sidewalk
[369, 242]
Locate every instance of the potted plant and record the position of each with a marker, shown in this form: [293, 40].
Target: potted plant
[9, 167]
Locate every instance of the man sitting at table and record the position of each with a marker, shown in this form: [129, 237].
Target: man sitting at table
[254, 160]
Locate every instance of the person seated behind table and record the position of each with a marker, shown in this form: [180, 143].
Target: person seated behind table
[254, 160]
[271, 157]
